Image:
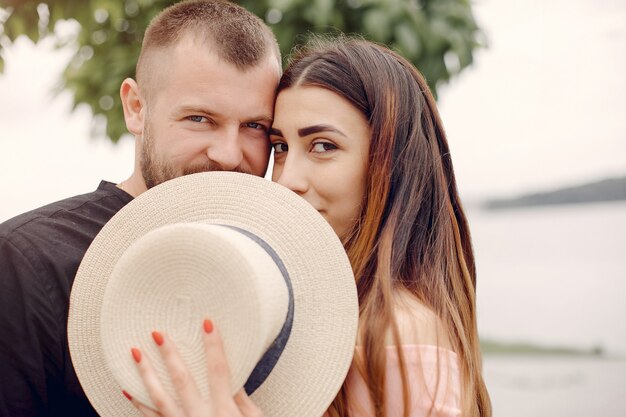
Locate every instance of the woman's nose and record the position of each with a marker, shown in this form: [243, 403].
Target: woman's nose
[292, 175]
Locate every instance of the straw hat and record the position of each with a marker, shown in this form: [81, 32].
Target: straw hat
[245, 252]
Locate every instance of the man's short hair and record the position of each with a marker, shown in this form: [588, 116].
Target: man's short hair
[235, 34]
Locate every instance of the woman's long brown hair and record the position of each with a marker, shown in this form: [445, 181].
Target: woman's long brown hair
[412, 233]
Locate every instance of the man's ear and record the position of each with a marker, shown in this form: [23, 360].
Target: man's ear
[133, 104]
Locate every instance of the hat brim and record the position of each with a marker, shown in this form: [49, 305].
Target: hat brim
[319, 351]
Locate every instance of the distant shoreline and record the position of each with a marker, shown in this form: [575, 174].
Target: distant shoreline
[493, 348]
[610, 189]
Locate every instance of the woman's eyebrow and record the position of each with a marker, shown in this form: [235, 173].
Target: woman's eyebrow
[309, 130]
[305, 131]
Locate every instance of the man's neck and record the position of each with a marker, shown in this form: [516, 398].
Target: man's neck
[134, 185]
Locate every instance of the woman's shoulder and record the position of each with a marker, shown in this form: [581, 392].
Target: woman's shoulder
[418, 324]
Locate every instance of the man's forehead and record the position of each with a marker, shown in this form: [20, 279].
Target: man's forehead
[219, 93]
[192, 68]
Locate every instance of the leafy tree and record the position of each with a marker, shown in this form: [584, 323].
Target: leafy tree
[438, 36]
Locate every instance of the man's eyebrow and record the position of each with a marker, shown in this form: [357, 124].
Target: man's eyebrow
[260, 118]
[193, 108]
[309, 130]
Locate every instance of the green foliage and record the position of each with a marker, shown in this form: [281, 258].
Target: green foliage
[438, 36]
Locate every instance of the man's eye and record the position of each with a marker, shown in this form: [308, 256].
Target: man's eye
[198, 119]
[255, 125]
[321, 147]
[280, 147]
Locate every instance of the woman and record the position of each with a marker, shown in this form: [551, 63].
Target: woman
[357, 134]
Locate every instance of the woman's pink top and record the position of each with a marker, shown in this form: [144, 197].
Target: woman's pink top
[433, 377]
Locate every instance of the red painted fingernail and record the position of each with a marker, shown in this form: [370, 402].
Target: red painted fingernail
[127, 395]
[158, 338]
[136, 354]
[208, 326]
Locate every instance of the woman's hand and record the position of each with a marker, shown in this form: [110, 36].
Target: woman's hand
[222, 403]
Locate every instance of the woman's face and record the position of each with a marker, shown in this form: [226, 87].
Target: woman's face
[321, 145]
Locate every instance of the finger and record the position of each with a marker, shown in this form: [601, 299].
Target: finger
[143, 409]
[219, 372]
[182, 381]
[246, 407]
[161, 399]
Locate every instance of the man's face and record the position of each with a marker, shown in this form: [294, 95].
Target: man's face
[204, 114]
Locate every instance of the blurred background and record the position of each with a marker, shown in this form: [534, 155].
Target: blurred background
[532, 95]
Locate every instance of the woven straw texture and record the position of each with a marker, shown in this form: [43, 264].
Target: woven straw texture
[320, 348]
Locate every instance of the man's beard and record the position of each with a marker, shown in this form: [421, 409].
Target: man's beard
[156, 171]
[153, 170]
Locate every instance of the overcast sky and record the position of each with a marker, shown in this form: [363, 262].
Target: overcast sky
[543, 106]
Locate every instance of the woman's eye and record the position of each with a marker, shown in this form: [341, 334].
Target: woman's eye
[280, 147]
[321, 147]
[198, 119]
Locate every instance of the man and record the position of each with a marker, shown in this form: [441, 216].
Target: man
[202, 100]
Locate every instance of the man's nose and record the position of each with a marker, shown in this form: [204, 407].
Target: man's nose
[226, 150]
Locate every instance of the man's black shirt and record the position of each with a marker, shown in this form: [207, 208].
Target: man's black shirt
[40, 252]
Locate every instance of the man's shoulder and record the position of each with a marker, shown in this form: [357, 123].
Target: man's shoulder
[96, 206]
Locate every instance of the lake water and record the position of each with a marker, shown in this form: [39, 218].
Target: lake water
[556, 387]
[554, 276]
